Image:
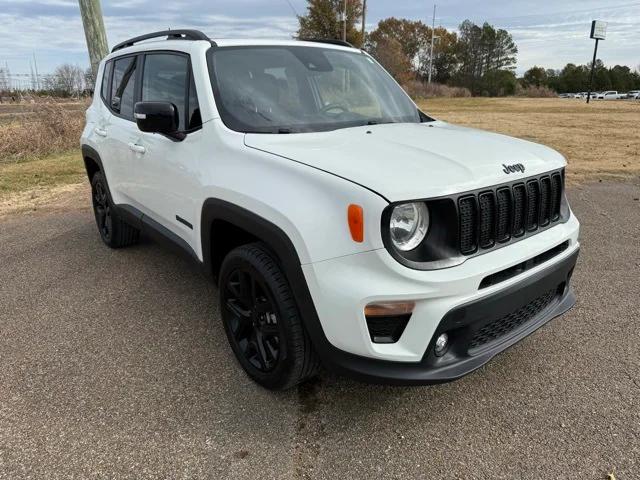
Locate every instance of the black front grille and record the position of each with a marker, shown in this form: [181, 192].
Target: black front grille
[508, 211]
[508, 323]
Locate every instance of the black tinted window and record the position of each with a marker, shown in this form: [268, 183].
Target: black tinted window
[165, 80]
[105, 81]
[123, 86]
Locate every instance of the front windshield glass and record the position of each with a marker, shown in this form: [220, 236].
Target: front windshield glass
[292, 89]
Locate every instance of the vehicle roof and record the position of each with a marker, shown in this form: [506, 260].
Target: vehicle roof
[195, 46]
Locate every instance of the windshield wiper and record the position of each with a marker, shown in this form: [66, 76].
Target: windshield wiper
[379, 122]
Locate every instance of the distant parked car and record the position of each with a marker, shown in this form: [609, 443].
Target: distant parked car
[633, 94]
[608, 95]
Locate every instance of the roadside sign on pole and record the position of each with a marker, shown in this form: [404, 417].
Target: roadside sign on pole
[598, 30]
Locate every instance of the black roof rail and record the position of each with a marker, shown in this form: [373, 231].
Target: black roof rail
[330, 41]
[170, 34]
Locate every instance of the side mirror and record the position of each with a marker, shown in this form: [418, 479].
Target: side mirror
[158, 117]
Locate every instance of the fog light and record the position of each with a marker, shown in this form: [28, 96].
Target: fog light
[442, 342]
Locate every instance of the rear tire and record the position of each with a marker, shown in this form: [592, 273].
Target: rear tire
[262, 321]
[114, 231]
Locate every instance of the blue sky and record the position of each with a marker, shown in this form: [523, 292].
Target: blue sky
[547, 33]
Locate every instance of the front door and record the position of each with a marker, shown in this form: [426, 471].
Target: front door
[166, 173]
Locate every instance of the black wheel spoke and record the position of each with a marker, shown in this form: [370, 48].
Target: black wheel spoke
[243, 329]
[237, 309]
[262, 352]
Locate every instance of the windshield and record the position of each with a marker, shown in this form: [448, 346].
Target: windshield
[292, 89]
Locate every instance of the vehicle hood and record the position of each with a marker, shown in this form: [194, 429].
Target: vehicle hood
[413, 161]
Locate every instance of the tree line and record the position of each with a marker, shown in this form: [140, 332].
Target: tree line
[480, 58]
[67, 80]
[575, 78]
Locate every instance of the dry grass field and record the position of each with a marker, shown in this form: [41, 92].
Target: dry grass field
[39, 154]
[599, 140]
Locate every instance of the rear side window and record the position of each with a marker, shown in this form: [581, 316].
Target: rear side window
[123, 86]
[167, 78]
[106, 76]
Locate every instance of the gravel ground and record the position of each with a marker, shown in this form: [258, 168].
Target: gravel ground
[114, 364]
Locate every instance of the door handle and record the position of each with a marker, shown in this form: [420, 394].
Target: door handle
[100, 131]
[137, 148]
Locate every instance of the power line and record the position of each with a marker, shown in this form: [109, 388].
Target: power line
[295, 12]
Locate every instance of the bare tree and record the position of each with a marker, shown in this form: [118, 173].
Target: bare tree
[66, 80]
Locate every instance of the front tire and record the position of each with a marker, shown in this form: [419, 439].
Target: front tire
[114, 231]
[262, 321]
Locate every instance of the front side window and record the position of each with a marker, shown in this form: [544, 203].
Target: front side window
[123, 86]
[293, 89]
[164, 79]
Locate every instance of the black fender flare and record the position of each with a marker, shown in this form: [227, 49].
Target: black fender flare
[90, 152]
[281, 246]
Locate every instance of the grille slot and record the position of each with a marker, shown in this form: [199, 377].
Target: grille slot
[487, 219]
[508, 211]
[556, 196]
[503, 228]
[468, 224]
[519, 203]
[545, 201]
[510, 322]
[533, 202]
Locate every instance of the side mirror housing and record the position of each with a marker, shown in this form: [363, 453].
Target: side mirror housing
[158, 117]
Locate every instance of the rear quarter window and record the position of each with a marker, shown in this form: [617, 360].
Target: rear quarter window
[106, 77]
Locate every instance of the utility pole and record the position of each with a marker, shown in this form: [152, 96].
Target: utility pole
[344, 25]
[364, 22]
[94, 32]
[433, 37]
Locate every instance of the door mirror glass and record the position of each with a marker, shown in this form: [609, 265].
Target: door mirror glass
[158, 117]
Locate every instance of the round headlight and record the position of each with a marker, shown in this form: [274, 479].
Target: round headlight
[408, 225]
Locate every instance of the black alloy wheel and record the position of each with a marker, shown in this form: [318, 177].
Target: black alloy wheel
[102, 210]
[262, 320]
[252, 318]
[114, 231]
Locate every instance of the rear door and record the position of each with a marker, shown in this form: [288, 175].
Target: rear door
[121, 130]
[167, 172]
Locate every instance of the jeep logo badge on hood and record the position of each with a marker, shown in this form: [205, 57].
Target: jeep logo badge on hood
[518, 167]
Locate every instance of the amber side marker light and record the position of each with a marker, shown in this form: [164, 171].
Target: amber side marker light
[355, 217]
[389, 309]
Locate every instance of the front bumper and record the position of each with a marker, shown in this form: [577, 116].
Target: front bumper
[447, 300]
[462, 324]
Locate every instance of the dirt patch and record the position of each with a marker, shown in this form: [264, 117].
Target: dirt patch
[60, 197]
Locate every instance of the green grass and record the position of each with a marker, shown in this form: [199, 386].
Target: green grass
[49, 171]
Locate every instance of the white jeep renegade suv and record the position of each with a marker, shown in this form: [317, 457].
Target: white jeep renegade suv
[342, 224]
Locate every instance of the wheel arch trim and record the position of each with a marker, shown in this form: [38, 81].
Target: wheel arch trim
[282, 247]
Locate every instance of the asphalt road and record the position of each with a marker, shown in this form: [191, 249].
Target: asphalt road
[114, 364]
